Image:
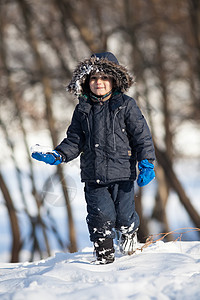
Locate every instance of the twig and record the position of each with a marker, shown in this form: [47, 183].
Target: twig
[152, 239]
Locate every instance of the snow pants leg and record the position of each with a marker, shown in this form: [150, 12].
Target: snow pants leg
[110, 206]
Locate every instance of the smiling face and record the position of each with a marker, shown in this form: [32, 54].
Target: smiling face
[100, 84]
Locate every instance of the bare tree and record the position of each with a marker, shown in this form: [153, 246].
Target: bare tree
[16, 239]
[27, 15]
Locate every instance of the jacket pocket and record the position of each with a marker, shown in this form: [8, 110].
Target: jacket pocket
[87, 165]
[121, 139]
[119, 166]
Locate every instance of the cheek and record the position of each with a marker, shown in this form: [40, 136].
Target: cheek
[109, 85]
[90, 84]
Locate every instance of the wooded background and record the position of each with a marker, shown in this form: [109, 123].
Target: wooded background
[40, 44]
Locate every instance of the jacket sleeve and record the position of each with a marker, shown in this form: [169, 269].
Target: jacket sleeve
[139, 134]
[72, 145]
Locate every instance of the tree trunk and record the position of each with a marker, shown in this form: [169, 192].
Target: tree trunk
[26, 12]
[173, 181]
[16, 242]
[143, 231]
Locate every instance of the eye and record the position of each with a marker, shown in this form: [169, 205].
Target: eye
[105, 77]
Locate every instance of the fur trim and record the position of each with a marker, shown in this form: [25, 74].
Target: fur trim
[80, 79]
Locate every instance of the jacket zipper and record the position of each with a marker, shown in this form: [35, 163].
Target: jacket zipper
[106, 136]
[114, 137]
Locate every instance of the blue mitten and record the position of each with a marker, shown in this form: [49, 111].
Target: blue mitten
[146, 172]
[50, 157]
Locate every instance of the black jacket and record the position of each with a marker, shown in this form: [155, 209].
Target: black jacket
[110, 138]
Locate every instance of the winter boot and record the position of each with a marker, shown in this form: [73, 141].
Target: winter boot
[104, 251]
[128, 243]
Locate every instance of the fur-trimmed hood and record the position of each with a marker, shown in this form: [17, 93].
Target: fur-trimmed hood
[105, 63]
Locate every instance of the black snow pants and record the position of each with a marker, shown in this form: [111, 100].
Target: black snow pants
[109, 207]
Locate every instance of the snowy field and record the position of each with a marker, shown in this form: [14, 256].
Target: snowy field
[161, 271]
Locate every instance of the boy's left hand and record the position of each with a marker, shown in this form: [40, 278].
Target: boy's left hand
[146, 172]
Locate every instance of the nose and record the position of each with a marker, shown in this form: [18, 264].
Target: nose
[98, 79]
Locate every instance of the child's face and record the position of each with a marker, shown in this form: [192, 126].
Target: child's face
[100, 84]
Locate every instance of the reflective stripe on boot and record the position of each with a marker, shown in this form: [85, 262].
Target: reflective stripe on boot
[128, 243]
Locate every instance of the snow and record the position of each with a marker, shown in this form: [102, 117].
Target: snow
[40, 149]
[161, 271]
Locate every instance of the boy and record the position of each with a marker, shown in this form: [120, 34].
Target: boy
[110, 133]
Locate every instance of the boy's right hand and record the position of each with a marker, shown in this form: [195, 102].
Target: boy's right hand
[50, 157]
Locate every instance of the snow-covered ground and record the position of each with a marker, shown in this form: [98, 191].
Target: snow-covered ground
[161, 271]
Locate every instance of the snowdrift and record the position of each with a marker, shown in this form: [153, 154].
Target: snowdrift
[161, 271]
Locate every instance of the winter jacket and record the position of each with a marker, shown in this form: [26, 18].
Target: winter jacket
[110, 137]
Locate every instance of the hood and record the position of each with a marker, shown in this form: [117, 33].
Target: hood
[105, 63]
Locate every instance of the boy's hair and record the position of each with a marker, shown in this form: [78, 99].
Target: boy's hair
[105, 63]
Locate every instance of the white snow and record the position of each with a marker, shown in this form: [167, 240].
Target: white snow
[40, 148]
[161, 271]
